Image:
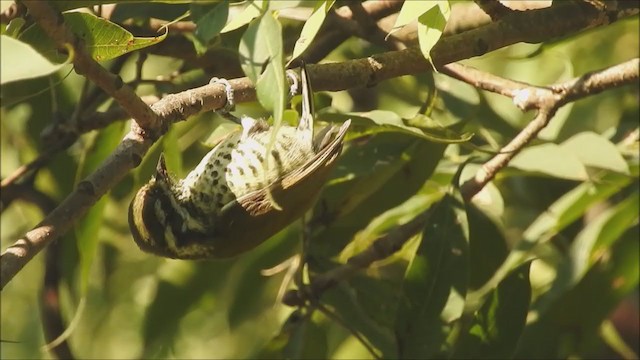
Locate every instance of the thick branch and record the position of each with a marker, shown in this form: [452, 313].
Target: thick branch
[53, 24]
[493, 8]
[547, 100]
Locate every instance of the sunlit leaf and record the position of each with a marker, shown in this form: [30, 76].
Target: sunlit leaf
[431, 26]
[390, 219]
[311, 27]
[261, 48]
[574, 204]
[103, 39]
[551, 160]
[250, 12]
[378, 121]
[594, 150]
[15, 68]
[410, 11]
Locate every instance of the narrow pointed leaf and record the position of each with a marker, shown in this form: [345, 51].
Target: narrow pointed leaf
[435, 283]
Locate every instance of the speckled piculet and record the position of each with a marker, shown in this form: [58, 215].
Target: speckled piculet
[222, 208]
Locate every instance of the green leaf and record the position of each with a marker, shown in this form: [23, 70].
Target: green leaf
[411, 10]
[311, 27]
[487, 246]
[261, 47]
[610, 226]
[550, 159]
[171, 150]
[569, 328]
[497, 326]
[557, 217]
[378, 121]
[370, 178]
[391, 218]
[368, 304]
[220, 132]
[288, 335]
[435, 283]
[14, 27]
[431, 25]
[432, 18]
[594, 150]
[574, 204]
[102, 39]
[590, 244]
[89, 225]
[252, 10]
[209, 20]
[270, 87]
[15, 68]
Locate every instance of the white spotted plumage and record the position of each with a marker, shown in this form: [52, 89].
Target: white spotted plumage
[220, 208]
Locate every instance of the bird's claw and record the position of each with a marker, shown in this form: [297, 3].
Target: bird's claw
[230, 105]
[294, 88]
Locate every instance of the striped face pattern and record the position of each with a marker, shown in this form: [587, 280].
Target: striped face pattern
[222, 207]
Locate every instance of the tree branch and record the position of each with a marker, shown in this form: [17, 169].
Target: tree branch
[493, 8]
[567, 18]
[53, 24]
[546, 100]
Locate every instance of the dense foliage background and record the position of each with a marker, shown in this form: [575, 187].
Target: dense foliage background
[542, 263]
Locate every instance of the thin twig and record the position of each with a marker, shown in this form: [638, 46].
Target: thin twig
[26, 169]
[388, 244]
[548, 101]
[53, 24]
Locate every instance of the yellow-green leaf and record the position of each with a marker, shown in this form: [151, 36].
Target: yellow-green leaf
[431, 25]
[552, 160]
[252, 11]
[412, 10]
[594, 150]
[103, 39]
[311, 27]
[15, 68]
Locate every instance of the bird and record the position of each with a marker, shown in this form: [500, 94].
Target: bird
[243, 191]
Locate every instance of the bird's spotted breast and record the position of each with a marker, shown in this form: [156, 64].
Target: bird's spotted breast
[224, 206]
[236, 166]
[247, 171]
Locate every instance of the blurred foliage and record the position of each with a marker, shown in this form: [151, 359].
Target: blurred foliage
[539, 265]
